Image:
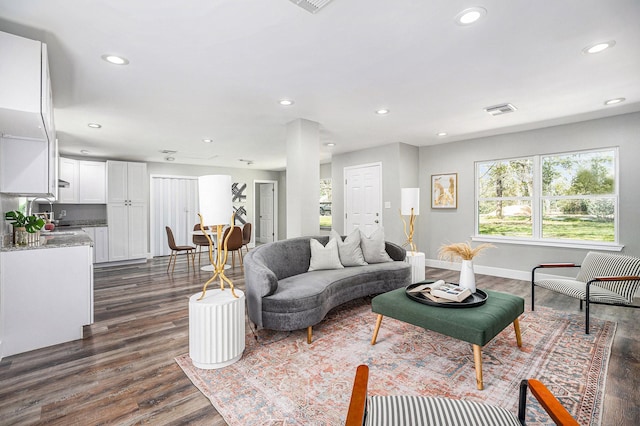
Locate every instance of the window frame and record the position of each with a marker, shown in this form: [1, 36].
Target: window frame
[537, 199]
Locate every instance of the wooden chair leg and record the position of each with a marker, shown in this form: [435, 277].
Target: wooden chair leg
[309, 334]
[477, 360]
[169, 264]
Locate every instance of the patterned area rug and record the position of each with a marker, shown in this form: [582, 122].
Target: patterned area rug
[281, 380]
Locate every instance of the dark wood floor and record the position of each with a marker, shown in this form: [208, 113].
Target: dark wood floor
[124, 372]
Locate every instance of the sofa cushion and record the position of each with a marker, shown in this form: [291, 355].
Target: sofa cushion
[373, 247]
[324, 257]
[306, 291]
[349, 249]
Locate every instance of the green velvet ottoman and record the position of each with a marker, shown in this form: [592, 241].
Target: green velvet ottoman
[476, 325]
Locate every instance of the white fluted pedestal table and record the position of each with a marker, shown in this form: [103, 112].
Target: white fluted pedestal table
[417, 262]
[216, 328]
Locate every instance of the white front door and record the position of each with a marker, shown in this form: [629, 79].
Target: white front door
[363, 198]
[266, 213]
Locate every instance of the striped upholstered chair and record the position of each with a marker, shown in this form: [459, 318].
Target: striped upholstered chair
[404, 410]
[605, 279]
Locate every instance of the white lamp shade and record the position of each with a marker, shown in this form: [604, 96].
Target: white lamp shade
[409, 198]
[214, 196]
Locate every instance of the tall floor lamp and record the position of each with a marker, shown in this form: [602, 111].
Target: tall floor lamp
[214, 193]
[409, 206]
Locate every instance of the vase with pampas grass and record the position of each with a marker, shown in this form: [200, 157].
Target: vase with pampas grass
[465, 253]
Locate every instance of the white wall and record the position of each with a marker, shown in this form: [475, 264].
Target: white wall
[399, 168]
[443, 226]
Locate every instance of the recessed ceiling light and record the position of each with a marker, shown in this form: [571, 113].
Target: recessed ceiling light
[330, 144]
[207, 140]
[470, 15]
[170, 158]
[116, 60]
[286, 102]
[382, 111]
[614, 101]
[441, 134]
[94, 125]
[84, 152]
[598, 47]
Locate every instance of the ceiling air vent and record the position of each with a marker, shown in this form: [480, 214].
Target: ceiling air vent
[500, 109]
[312, 6]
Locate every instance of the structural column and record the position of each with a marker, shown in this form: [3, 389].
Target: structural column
[303, 178]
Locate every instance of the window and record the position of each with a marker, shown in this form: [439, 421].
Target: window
[325, 204]
[555, 197]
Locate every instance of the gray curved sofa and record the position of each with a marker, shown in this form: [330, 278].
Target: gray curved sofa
[282, 295]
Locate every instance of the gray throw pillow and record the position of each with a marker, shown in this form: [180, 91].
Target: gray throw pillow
[349, 249]
[373, 247]
[324, 257]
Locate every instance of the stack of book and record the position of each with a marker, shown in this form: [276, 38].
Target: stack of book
[441, 292]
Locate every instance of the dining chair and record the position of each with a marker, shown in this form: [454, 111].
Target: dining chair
[176, 249]
[603, 278]
[246, 235]
[408, 410]
[234, 244]
[200, 241]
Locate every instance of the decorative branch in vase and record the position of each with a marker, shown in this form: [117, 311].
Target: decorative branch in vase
[465, 253]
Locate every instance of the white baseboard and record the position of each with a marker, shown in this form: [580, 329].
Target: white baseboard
[490, 270]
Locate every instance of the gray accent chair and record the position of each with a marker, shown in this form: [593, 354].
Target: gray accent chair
[282, 295]
[604, 278]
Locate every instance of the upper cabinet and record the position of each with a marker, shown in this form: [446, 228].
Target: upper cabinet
[28, 149]
[87, 181]
[126, 182]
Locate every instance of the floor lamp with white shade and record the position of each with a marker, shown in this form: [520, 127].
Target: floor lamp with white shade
[217, 318]
[214, 192]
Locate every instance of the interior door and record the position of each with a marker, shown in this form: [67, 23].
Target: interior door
[266, 213]
[174, 203]
[363, 198]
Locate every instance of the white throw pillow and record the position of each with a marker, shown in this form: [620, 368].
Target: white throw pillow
[349, 249]
[373, 247]
[324, 257]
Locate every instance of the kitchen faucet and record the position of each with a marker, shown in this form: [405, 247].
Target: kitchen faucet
[30, 212]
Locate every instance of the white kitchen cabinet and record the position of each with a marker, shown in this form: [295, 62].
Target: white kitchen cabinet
[100, 237]
[47, 297]
[127, 210]
[101, 244]
[68, 172]
[87, 181]
[92, 176]
[126, 182]
[28, 147]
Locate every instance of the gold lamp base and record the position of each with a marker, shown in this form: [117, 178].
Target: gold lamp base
[221, 257]
[409, 235]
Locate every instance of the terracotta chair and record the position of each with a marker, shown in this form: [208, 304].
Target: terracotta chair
[176, 249]
[400, 410]
[246, 235]
[200, 241]
[234, 244]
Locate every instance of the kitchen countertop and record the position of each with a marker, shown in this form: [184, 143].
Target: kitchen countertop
[66, 237]
[81, 223]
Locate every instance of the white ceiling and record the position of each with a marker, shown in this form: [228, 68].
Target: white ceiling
[216, 69]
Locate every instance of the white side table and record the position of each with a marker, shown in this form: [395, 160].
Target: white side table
[216, 328]
[416, 260]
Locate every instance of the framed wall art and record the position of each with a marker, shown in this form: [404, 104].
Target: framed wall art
[444, 191]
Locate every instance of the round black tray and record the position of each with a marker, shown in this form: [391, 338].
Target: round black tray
[476, 299]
